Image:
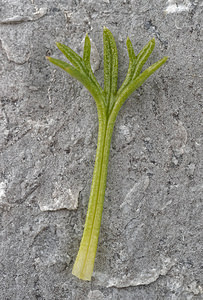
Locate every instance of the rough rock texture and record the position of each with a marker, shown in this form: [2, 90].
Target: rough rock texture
[150, 245]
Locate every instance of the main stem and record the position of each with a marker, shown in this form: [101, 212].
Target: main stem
[84, 262]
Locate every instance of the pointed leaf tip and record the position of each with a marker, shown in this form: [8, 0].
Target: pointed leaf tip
[87, 37]
[152, 41]
[87, 52]
[58, 45]
[128, 40]
[131, 52]
[106, 30]
[110, 66]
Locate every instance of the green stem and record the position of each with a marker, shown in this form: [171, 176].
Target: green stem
[109, 102]
[84, 263]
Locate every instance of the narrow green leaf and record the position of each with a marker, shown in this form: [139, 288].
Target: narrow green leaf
[73, 72]
[86, 59]
[142, 57]
[110, 67]
[131, 67]
[137, 82]
[86, 52]
[65, 66]
[136, 62]
[73, 57]
[96, 91]
[131, 52]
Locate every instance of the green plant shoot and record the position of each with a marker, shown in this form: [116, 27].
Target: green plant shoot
[108, 101]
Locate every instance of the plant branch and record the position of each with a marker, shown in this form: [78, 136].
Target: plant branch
[109, 102]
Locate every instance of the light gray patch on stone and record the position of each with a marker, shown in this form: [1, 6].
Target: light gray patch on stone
[135, 193]
[62, 198]
[95, 295]
[178, 6]
[179, 140]
[2, 190]
[53, 260]
[143, 278]
[21, 19]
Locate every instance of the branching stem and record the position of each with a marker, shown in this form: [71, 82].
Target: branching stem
[109, 101]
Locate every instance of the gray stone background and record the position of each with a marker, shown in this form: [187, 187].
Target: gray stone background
[150, 245]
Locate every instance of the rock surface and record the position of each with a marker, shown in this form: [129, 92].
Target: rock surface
[151, 242]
